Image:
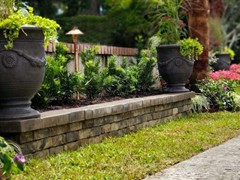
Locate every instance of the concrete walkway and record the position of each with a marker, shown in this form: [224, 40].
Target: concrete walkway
[219, 163]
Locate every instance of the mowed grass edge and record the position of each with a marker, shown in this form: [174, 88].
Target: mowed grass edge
[136, 155]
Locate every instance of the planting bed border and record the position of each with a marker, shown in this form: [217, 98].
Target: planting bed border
[68, 129]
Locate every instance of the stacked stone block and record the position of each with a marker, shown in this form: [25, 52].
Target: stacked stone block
[68, 129]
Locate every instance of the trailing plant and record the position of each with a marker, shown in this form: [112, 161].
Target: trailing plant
[212, 59]
[191, 48]
[59, 84]
[11, 158]
[146, 62]
[230, 52]
[92, 78]
[12, 23]
[199, 104]
[118, 80]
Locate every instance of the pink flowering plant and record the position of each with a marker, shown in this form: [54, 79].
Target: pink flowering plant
[224, 74]
[222, 88]
[232, 74]
[10, 160]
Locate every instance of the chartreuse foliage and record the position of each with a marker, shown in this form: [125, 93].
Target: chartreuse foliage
[191, 48]
[136, 155]
[12, 25]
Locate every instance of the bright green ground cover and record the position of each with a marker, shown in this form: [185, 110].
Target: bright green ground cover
[135, 155]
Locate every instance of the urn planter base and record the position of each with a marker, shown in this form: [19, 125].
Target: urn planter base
[175, 88]
[17, 110]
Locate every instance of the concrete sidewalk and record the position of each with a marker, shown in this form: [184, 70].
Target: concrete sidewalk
[219, 163]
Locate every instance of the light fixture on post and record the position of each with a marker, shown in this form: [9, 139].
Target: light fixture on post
[75, 32]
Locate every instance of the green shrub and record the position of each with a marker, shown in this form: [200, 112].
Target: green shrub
[92, 78]
[118, 80]
[59, 85]
[146, 62]
[220, 94]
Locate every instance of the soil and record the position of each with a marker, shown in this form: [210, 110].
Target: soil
[84, 101]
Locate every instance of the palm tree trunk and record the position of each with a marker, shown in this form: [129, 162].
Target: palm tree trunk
[216, 8]
[198, 28]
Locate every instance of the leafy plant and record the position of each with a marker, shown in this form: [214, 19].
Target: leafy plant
[118, 80]
[144, 70]
[11, 159]
[220, 40]
[166, 16]
[220, 93]
[218, 34]
[230, 52]
[92, 78]
[59, 84]
[199, 104]
[12, 23]
[191, 48]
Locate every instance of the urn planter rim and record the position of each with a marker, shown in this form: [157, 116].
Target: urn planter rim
[223, 53]
[28, 26]
[168, 45]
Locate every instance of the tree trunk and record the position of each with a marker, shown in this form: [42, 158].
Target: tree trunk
[216, 8]
[198, 28]
[94, 7]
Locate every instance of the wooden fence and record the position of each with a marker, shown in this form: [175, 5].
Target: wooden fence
[103, 50]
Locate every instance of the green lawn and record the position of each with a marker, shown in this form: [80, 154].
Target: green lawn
[136, 155]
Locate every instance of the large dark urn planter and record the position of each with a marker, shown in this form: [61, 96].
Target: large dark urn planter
[223, 62]
[22, 71]
[174, 68]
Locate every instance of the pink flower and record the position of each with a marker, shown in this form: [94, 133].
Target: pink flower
[217, 44]
[235, 68]
[182, 24]
[223, 74]
[166, 17]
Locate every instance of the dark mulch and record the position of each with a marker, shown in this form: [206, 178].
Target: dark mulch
[84, 101]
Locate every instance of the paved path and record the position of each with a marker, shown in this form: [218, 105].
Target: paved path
[219, 163]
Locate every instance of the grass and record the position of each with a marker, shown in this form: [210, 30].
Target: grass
[136, 155]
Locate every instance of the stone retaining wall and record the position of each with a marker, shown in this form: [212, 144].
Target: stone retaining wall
[67, 129]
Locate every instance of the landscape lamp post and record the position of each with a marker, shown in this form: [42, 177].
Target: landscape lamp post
[75, 32]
